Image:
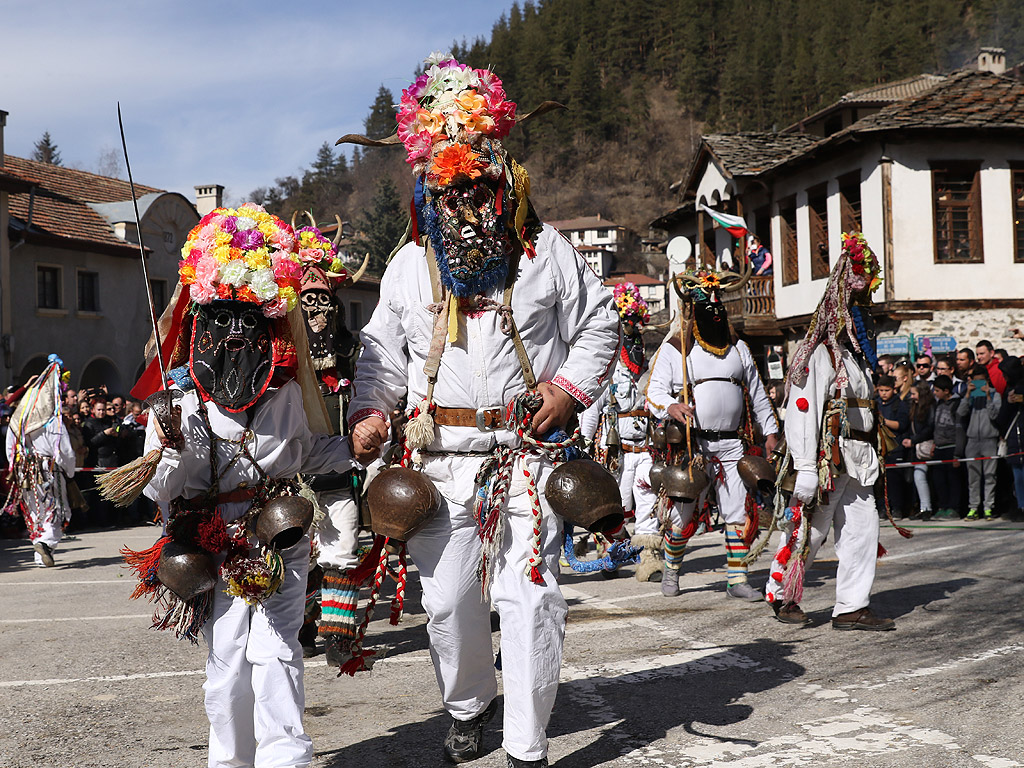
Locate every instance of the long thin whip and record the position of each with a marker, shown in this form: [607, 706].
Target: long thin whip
[142, 254]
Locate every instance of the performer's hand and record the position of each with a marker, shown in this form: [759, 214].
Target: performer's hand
[367, 437]
[806, 486]
[907, 443]
[556, 410]
[175, 424]
[771, 442]
[681, 412]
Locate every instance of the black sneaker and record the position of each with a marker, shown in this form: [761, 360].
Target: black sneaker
[465, 739]
[515, 762]
[45, 553]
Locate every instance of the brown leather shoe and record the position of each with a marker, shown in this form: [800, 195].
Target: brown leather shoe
[862, 619]
[790, 613]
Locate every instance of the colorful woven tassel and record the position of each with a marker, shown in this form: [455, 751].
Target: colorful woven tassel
[123, 485]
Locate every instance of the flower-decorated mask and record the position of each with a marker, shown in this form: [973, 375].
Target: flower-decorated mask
[231, 359]
[469, 237]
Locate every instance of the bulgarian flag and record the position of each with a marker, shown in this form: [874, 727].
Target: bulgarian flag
[734, 224]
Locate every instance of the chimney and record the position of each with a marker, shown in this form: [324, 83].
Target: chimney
[3, 122]
[209, 197]
[992, 60]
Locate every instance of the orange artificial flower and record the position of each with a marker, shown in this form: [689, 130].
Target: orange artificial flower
[470, 100]
[454, 161]
[430, 122]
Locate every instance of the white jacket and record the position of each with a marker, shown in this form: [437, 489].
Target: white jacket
[565, 317]
[718, 404]
[629, 396]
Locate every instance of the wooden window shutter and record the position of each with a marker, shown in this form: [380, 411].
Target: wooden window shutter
[974, 220]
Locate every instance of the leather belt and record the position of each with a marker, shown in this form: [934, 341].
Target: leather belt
[864, 437]
[712, 434]
[231, 497]
[626, 448]
[633, 414]
[484, 419]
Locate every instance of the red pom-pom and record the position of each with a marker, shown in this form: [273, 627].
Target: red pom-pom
[783, 555]
[777, 575]
[770, 597]
[802, 403]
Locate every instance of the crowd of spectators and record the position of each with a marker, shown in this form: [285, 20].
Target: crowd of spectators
[106, 431]
[951, 407]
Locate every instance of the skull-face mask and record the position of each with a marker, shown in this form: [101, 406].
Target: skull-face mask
[469, 237]
[231, 359]
[319, 310]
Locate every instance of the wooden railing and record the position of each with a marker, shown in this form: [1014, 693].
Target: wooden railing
[755, 299]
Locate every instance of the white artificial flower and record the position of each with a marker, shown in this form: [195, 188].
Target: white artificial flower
[436, 57]
[263, 285]
[234, 272]
[244, 222]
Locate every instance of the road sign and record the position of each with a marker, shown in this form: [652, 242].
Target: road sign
[939, 344]
[892, 345]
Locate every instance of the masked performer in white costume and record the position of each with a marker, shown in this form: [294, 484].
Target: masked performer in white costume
[728, 397]
[234, 558]
[836, 448]
[618, 422]
[487, 312]
[42, 460]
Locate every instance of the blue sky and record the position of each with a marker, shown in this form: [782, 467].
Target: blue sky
[232, 93]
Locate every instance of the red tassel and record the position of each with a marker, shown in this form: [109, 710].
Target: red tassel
[356, 664]
[535, 576]
[143, 564]
[881, 551]
[415, 222]
[368, 565]
[750, 529]
[783, 555]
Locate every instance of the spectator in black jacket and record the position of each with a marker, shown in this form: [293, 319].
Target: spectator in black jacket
[921, 443]
[895, 415]
[100, 433]
[950, 440]
[1011, 425]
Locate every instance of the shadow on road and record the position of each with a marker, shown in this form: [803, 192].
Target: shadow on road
[633, 709]
[899, 602]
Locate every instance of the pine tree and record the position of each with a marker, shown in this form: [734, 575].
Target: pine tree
[380, 123]
[46, 151]
[381, 227]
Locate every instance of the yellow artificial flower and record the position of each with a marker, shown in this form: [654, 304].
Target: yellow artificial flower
[259, 258]
[222, 253]
[288, 294]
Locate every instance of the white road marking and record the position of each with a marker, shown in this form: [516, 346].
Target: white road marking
[79, 618]
[938, 669]
[995, 762]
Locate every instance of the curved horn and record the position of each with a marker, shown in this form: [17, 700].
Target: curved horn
[543, 108]
[678, 280]
[337, 235]
[355, 138]
[362, 268]
[294, 214]
[737, 281]
[312, 221]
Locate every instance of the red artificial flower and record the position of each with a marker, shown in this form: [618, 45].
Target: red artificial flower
[858, 269]
[802, 404]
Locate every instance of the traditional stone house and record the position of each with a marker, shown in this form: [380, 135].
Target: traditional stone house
[931, 169]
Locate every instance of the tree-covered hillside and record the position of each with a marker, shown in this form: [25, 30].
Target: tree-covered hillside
[642, 80]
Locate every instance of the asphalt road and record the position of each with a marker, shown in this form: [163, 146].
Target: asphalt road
[698, 680]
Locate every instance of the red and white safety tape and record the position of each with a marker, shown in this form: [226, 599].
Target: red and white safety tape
[931, 462]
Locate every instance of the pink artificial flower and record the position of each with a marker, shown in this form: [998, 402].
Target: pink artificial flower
[207, 269]
[285, 268]
[276, 308]
[284, 239]
[309, 255]
[202, 293]
[418, 147]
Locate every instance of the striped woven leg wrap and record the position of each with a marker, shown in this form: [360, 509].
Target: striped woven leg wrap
[675, 546]
[735, 551]
[338, 605]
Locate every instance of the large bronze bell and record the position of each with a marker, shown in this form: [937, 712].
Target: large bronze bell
[684, 483]
[585, 494]
[283, 522]
[188, 571]
[401, 502]
[673, 433]
[657, 476]
[658, 439]
[757, 474]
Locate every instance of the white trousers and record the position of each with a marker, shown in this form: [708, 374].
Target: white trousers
[254, 693]
[851, 510]
[731, 493]
[635, 489]
[446, 553]
[338, 533]
[49, 532]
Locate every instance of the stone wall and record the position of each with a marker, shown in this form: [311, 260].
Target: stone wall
[969, 327]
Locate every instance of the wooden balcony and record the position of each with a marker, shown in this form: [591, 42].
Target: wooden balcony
[752, 309]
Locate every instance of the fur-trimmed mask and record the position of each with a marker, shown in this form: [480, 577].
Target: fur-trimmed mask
[231, 359]
[469, 237]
